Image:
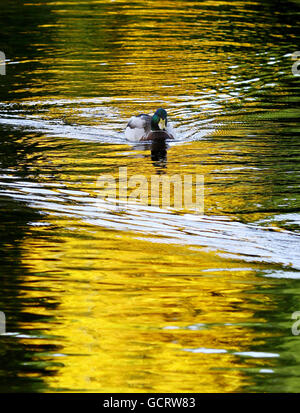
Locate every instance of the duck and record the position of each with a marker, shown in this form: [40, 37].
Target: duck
[143, 127]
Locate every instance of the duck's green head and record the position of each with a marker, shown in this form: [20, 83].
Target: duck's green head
[159, 120]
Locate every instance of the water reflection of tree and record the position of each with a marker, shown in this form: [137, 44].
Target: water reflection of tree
[20, 370]
[18, 155]
[25, 29]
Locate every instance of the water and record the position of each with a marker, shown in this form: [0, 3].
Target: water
[134, 298]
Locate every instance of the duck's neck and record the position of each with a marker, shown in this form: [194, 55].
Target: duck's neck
[154, 126]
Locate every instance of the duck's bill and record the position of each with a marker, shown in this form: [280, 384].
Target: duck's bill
[162, 124]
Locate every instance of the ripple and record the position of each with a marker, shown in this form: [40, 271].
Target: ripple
[205, 350]
[256, 354]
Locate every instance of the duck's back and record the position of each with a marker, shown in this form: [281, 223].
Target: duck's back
[138, 127]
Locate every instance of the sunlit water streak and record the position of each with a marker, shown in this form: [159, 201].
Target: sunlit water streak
[250, 242]
[109, 125]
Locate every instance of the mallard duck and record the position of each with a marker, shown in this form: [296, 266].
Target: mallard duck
[148, 128]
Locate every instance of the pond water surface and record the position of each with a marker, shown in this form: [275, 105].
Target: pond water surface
[101, 297]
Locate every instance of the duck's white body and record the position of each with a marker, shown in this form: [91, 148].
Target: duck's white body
[138, 127]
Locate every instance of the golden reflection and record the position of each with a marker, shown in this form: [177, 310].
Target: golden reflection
[130, 312]
[150, 51]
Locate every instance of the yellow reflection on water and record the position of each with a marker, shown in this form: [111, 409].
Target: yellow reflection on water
[130, 312]
[146, 50]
